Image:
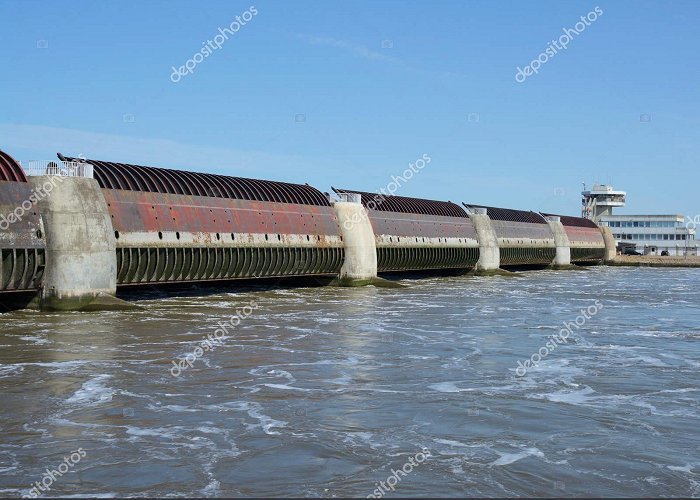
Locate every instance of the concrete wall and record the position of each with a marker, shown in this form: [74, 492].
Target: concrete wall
[358, 237]
[489, 251]
[80, 245]
[610, 244]
[561, 240]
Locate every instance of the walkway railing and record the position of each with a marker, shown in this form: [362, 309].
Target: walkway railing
[60, 168]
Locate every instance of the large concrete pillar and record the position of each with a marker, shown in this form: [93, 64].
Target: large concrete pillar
[360, 266]
[610, 244]
[81, 261]
[489, 251]
[562, 259]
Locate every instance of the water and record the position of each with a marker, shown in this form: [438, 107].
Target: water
[323, 391]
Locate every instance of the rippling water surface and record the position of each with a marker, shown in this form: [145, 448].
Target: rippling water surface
[323, 391]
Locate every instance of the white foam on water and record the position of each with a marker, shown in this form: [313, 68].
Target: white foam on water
[168, 433]
[35, 340]
[509, 458]
[91, 495]
[363, 438]
[213, 489]
[456, 444]
[7, 370]
[688, 468]
[287, 387]
[175, 408]
[267, 423]
[339, 381]
[448, 387]
[93, 391]
[580, 397]
[254, 410]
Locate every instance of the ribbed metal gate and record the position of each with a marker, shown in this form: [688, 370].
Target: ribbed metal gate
[152, 265]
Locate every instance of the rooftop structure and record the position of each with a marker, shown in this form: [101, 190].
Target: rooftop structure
[600, 200]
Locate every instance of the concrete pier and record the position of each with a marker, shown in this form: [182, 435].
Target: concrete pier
[610, 245]
[562, 260]
[489, 252]
[360, 263]
[81, 263]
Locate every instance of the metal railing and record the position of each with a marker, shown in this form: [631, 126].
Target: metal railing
[59, 168]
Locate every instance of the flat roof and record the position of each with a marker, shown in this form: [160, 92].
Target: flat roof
[621, 216]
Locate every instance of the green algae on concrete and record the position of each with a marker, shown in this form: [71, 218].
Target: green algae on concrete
[378, 282]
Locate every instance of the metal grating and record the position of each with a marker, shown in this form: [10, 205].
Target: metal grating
[21, 268]
[10, 169]
[161, 265]
[127, 177]
[509, 214]
[532, 256]
[587, 254]
[402, 204]
[419, 259]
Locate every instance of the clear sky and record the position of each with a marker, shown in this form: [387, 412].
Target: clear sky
[347, 93]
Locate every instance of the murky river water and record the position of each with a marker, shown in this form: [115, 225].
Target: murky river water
[325, 391]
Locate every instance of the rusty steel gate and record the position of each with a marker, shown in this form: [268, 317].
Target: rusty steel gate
[22, 243]
[178, 226]
[414, 234]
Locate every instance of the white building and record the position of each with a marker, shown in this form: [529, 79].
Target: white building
[653, 234]
[649, 234]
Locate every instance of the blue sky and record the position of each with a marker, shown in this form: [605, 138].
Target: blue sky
[93, 78]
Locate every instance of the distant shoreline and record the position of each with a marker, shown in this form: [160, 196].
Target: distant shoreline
[655, 261]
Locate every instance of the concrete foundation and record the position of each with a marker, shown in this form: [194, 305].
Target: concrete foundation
[81, 262]
[562, 260]
[489, 252]
[610, 244]
[360, 265]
